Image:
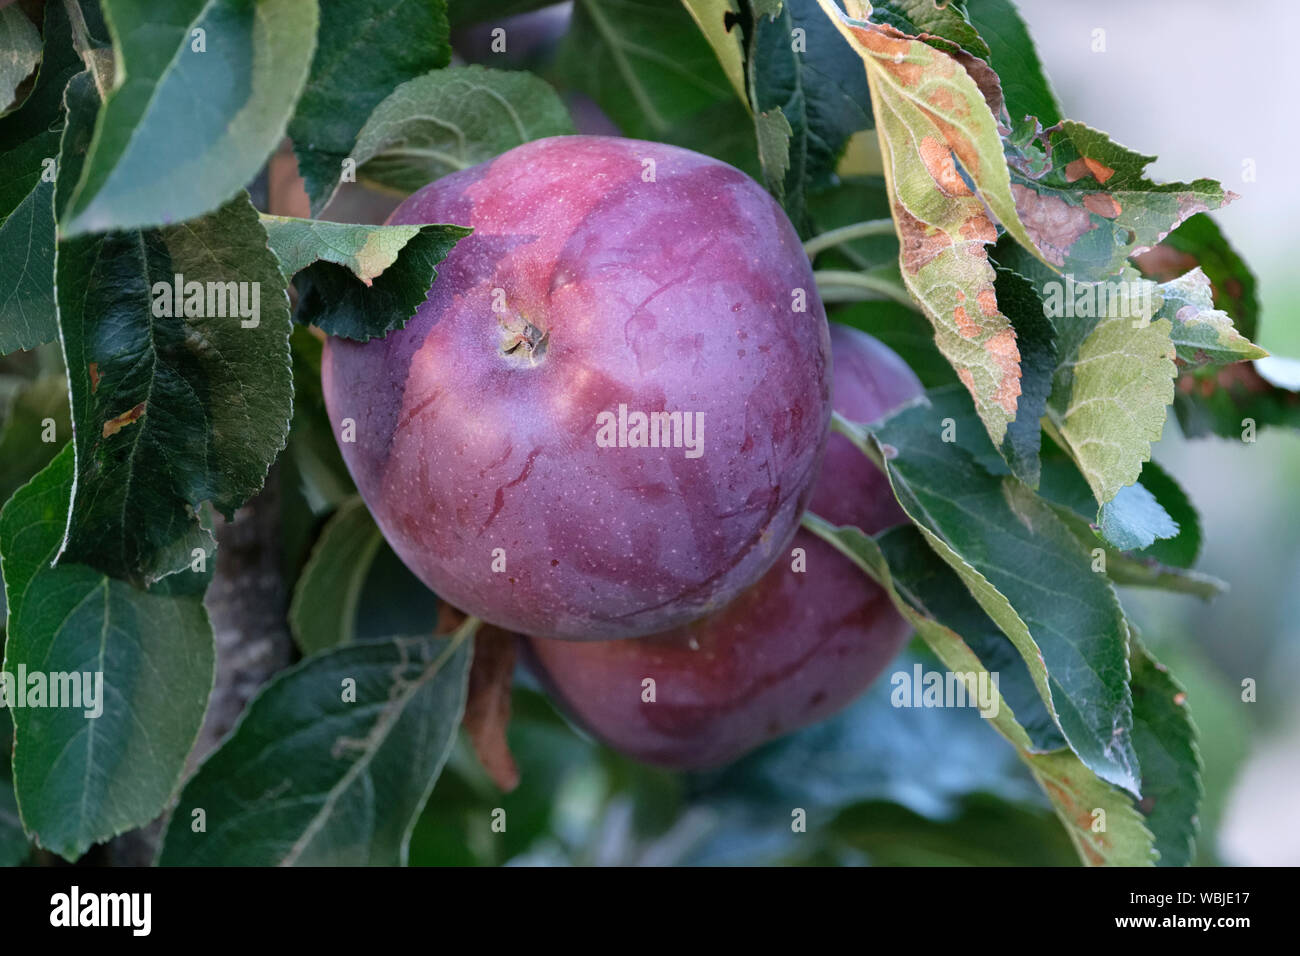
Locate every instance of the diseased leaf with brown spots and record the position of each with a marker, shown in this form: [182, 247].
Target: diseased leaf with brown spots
[1086, 205]
[929, 109]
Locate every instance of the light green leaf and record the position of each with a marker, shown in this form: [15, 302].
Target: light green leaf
[453, 119]
[177, 137]
[331, 762]
[81, 779]
[359, 281]
[1134, 519]
[711, 15]
[364, 49]
[1110, 398]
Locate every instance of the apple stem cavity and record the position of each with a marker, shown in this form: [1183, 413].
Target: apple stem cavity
[524, 340]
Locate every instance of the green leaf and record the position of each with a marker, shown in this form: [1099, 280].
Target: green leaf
[1235, 401]
[713, 17]
[354, 588]
[20, 51]
[939, 612]
[453, 119]
[1011, 53]
[31, 145]
[14, 845]
[359, 281]
[176, 137]
[1202, 334]
[650, 70]
[82, 779]
[331, 762]
[1134, 519]
[916, 93]
[813, 80]
[947, 21]
[364, 49]
[1109, 400]
[39, 411]
[169, 410]
[1024, 568]
[1165, 738]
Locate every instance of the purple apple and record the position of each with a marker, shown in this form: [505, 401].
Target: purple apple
[499, 440]
[792, 650]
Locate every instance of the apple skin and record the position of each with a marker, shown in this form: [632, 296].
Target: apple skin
[792, 650]
[673, 294]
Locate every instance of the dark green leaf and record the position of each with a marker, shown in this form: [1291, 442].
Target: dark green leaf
[453, 119]
[330, 763]
[1011, 53]
[1165, 739]
[1026, 570]
[195, 114]
[1036, 341]
[647, 65]
[81, 779]
[946, 21]
[816, 81]
[169, 410]
[364, 49]
[359, 282]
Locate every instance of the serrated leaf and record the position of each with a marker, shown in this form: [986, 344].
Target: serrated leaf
[1086, 206]
[1025, 86]
[942, 619]
[1134, 519]
[947, 21]
[1202, 334]
[812, 80]
[1199, 242]
[20, 51]
[168, 410]
[364, 49]
[928, 109]
[80, 780]
[331, 762]
[1024, 568]
[453, 119]
[713, 17]
[1110, 398]
[359, 281]
[1165, 738]
[176, 138]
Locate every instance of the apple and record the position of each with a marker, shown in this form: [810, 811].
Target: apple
[606, 419]
[792, 650]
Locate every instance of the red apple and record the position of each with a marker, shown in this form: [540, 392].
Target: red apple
[792, 650]
[604, 276]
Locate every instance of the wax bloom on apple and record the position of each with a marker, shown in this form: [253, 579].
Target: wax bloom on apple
[606, 419]
[795, 648]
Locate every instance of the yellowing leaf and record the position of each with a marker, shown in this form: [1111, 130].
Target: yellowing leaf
[928, 109]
